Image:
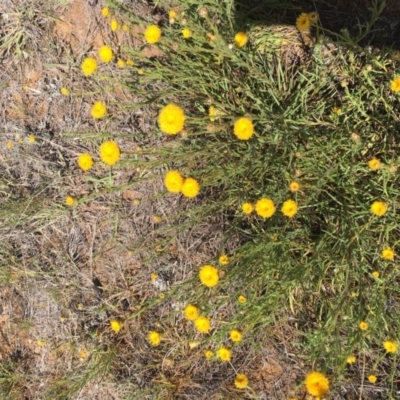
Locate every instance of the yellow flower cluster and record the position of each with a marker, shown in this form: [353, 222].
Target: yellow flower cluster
[316, 384]
[175, 183]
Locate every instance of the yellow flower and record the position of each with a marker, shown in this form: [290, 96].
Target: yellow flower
[241, 381]
[9, 144]
[235, 335]
[85, 161]
[173, 181]
[191, 312]
[64, 91]
[363, 325]
[153, 277]
[390, 346]
[99, 109]
[388, 254]
[121, 63]
[316, 384]
[171, 119]
[336, 110]
[154, 338]
[172, 14]
[190, 187]
[303, 22]
[129, 62]
[265, 207]
[374, 164]
[395, 84]
[125, 27]
[208, 275]
[241, 39]
[114, 25]
[224, 354]
[375, 274]
[242, 299]
[202, 324]
[247, 208]
[208, 354]
[243, 128]
[109, 152]
[224, 259]
[294, 186]
[372, 378]
[289, 208]
[152, 34]
[351, 359]
[105, 12]
[31, 139]
[106, 54]
[82, 353]
[70, 201]
[115, 325]
[89, 66]
[186, 33]
[379, 208]
[212, 113]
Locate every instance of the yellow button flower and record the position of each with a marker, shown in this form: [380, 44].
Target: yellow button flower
[241, 39]
[85, 161]
[203, 324]
[115, 325]
[265, 207]
[363, 325]
[303, 22]
[395, 84]
[374, 164]
[171, 119]
[289, 208]
[191, 312]
[247, 208]
[241, 381]
[106, 54]
[224, 354]
[152, 34]
[173, 181]
[186, 33]
[99, 110]
[243, 128]
[154, 338]
[294, 186]
[316, 384]
[235, 335]
[114, 25]
[190, 188]
[388, 254]
[89, 66]
[208, 276]
[379, 208]
[390, 346]
[70, 201]
[110, 152]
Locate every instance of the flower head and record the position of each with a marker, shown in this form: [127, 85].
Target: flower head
[105, 12]
[372, 378]
[303, 22]
[374, 164]
[247, 208]
[395, 84]
[363, 325]
[243, 128]
[265, 207]
[313, 16]
[351, 359]
[115, 325]
[173, 181]
[70, 201]
[294, 186]
[191, 312]
[241, 381]
[154, 338]
[212, 113]
[375, 274]
[390, 346]
[171, 119]
[316, 384]
[224, 354]
[64, 91]
[99, 110]
[9, 144]
[208, 276]
[379, 208]
[388, 254]
[85, 161]
[89, 66]
[31, 139]
[223, 259]
[241, 39]
[109, 152]
[114, 25]
[208, 354]
[152, 34]
[186, 33]
[121, 64]
[190, 188]
[106, 54]
[235, 335]
[289, 208]
[242, 299]
[202, 324]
